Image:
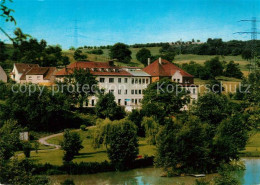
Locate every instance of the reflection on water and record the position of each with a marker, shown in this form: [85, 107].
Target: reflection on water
[151, 176]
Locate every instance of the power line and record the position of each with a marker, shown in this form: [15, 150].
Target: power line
[253, 32]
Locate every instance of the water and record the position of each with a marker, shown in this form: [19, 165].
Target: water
[151, 176]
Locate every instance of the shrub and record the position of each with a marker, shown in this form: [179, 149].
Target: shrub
[83, 127]
[27, 147]
[68, 182]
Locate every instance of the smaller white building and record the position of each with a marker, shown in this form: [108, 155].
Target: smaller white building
[19, 69]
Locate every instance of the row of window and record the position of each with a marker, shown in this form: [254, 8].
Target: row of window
[136, 91]
[134, 80]
[134, 101]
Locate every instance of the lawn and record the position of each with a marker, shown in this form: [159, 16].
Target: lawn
[87, 154]
[253, 147]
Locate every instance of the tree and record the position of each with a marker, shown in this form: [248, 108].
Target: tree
[151, 129]
[214, 66]
[247, 54]
[142, 55]
[123, 146]
[232, 70]
[9, 140]
[27, 147]
[164, 98]
[169, 56]
[71, 145]
[79, 56]
[120, 52]
[3, 55]
[182, 147]
[84, 83]
[136, 117]
[215, 86]
[106, 107]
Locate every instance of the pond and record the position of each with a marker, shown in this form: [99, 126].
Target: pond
[151, 176]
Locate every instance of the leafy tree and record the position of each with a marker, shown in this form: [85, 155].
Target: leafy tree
[38, 110]
[247, 54]
[9, 140]
[193, 68]
[151, 129]
[142, 55]
[169, 56]
[232, 70]
[68, 182]
[123, 146]
[84, 84]
[27, 147]
[120, 52]
[71, 145]
[3, 55]
[79, 56]
[215, 86]
[214, 66]
[163, 98]
[182, 147]
[211, 108]
[106, 107]
[6, 12]
[136, 117]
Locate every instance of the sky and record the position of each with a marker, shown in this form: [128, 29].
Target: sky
[105, 22]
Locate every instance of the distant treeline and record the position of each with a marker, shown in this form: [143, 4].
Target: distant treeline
[211, 47]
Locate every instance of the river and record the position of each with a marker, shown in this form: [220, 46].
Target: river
[151, 176]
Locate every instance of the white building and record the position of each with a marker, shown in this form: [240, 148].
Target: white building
[19, 69]
[126, 83]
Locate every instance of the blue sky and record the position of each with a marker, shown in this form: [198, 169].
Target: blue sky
[103, 22]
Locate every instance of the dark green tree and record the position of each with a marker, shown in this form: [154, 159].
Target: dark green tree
[71, 145]
[79, 56]
[142, 55]
[164, 98]
[214, 67]
[232, 70]
[123, 146]
[106, 107]
[120, 52]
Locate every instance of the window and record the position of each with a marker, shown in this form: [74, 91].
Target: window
[111, 91]
[133, 81]
[125, 101]
[143, 80]
[132, 91]
[147, 81]
[140, 100]
[93, 102]
[38, 77]
[119, 91]
[140, 91]
[174, 80]
[119, 80]
[194, 91]
[126, 91]
[119, 101]
[140, 81]
[133, 100]
[135, 91]
[111, 80]
[136, 81]
[178, 80]
[101, 80]
[125, 80]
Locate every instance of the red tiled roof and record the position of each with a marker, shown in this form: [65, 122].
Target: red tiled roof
[165, 69]
[21, 67]
[117, 71]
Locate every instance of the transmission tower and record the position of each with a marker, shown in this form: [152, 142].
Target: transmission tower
[253, 32]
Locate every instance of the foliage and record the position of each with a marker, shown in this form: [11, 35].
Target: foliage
[120, 52]
[136, 117]
[215, 86]
[106, 107]
[27, 147]
[163, 98]
[9, 140]
[37, 109]
[79, 56]
[142, 55]
[68, 182]
[183, 147]
[96, 51]
[214, 67]
[123, 146]
[193, 68]
[32, 51]
[6, 12]
[232, 70]
[83, 127]
[71, 145]
[151, 129]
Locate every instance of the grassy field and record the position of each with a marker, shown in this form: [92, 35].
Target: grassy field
[253, 147]
[87, 154]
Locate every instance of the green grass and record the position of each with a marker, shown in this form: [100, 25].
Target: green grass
[253, 146]
[87, 154]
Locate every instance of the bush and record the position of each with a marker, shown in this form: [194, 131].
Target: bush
[27, 147]
[83, 127]
[68, 182]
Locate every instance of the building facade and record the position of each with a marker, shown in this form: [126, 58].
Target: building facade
[3, 76]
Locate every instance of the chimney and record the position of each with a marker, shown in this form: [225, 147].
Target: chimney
[149, 61]
[111, 63]
[160, 60]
